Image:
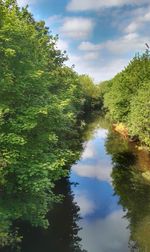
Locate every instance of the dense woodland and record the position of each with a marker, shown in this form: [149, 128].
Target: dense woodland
[43, 106]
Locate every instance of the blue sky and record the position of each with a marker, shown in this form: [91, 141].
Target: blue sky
[100, 37]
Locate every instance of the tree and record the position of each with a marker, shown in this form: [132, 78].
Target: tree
[92, 99]
[40, 100]
[139, 118]
[125, 85]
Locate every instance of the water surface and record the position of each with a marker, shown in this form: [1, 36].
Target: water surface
[106, 205]
[102, 223]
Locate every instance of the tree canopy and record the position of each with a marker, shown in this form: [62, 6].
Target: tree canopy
[126, 98]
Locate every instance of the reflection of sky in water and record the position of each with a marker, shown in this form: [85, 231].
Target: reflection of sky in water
[104, 230]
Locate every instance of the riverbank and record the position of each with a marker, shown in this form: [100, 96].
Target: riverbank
[121, 129]
[142, 152]
[126, 99]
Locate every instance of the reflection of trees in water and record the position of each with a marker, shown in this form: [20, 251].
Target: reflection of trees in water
[133, 191]
[94, 122]
[62, 234]
[67, 215]
[27, 207]
[18, 207]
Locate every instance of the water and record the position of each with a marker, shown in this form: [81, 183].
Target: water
[103, 226]
[106, 206]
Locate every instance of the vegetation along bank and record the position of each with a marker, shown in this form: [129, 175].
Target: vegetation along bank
[126, 99]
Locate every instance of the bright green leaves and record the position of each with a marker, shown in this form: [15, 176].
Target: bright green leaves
[40, 101]
[92, 98]
[12, 138]
[127, 99]
[10, 53]
[139, 118]
[124, 87]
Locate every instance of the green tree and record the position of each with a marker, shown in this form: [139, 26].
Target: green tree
[92, 98]
[124, 86]
[139, 118]
[40, 102]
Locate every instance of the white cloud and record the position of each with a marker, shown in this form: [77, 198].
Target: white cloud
[146, 17]
[101, 171]
[86, 205]
[53, 20]
[140, 17]
[88, 46]
[101, 133]
[77, 27]
[109, 69]
[91, 56]
[102, 167]
[100, 70]
[95, 5]
[62, 45]
[23, 3]
[130, 42]
[132, 27]
[89, 152]
[104, 235]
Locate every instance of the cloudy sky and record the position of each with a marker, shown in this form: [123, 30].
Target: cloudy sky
[100, 36]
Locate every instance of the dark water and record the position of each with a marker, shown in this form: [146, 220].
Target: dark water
[106, 206]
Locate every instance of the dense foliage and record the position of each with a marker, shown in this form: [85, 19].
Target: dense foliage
[41, 101]
[139, 119]
[126, 98]
[92, 93]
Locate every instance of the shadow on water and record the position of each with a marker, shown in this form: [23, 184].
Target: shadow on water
[62, 234]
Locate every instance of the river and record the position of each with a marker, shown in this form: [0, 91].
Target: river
[106, 205]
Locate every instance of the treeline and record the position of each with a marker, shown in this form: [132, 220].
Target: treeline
[42, 103]
[126, 98]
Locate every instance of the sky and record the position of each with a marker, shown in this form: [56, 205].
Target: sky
[100, 36]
